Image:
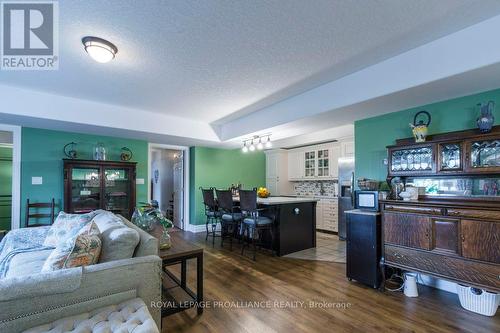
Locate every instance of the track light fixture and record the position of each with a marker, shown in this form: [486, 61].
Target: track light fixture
[257, 143]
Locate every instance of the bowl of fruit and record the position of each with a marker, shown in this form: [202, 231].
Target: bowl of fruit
[263, 192]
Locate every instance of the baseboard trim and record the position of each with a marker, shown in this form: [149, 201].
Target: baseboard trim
[200, 228]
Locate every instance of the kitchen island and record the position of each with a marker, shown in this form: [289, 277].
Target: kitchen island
[294, 223]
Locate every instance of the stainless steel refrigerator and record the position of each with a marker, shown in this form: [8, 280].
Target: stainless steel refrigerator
[346, 192]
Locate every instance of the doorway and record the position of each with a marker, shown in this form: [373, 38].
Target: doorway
[167, 183]
[6, 154]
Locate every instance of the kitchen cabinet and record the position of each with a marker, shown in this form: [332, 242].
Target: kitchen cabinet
[326, 215]
[295, 165]
[318, 162]
[347, 148]
[277, 173]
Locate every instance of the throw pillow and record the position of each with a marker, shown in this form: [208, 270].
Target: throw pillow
[65, 227]
[81, 250]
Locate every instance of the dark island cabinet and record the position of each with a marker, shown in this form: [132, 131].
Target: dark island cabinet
[91, 185]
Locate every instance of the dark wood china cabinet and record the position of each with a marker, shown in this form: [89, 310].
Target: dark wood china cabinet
[453, 231]
[91, 185]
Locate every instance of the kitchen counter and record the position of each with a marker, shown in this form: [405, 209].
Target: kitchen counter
[284, 200]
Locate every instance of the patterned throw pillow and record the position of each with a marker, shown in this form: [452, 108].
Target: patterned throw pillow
[66, 226]
[81, 250]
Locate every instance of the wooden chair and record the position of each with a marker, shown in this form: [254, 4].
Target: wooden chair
[36, 215]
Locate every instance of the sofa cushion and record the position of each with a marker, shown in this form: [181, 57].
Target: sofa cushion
[118, 240]
[65, 227]
[129, 316]
[27, 263]
[81, 250]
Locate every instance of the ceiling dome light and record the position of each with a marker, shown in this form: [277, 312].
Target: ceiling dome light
[252, 147]
[99, 49]
[268, 143]
[260, 146]
[245, 148]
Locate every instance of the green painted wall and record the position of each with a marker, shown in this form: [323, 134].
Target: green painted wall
[220, 168]
[42, 154]
[5, 187]
[372, 135]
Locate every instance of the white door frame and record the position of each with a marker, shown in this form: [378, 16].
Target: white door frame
[16, 174]
[185, 152]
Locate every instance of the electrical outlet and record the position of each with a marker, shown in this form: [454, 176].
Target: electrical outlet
[36, 180]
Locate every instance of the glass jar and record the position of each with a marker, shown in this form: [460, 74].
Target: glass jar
[165, 241]
[100, 152]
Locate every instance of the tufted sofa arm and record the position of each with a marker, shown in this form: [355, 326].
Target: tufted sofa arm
[128, 316]
[100, 285]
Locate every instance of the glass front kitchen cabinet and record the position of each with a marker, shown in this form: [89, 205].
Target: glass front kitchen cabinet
[323, 163]
[417, 159]
[450, 157]
[310, 164]
[483, 156]
[91, 185]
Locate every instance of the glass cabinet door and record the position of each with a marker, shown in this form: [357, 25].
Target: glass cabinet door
[450, 156]
[117, 183]
[310, 164]
[85, 189]
[484, 155]
[323, 163]
[412, 160]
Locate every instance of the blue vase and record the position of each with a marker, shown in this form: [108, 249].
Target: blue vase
[486, 119]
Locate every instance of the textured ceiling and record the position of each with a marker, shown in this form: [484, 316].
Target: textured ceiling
[217, 60]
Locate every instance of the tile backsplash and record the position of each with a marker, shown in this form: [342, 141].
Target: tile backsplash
[313, 188]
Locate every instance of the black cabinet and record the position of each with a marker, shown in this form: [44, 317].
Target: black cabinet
[364, 247]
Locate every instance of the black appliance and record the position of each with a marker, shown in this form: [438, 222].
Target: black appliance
[364, 247]
[367, 200]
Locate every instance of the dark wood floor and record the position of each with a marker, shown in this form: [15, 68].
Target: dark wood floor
[229, 277]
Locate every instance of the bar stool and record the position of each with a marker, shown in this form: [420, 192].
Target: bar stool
[230, 217]
[211, 211]
[253, 222]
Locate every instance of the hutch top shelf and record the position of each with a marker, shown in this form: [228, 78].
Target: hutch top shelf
[456, 153]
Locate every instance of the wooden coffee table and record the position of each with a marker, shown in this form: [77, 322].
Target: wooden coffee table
[180, 300]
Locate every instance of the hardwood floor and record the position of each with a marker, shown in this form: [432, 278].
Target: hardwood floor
[230, 277]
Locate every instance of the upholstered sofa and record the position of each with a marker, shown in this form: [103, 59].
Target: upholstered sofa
[129, 268]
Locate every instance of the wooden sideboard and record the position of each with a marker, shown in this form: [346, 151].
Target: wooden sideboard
[454, 236]
[447, 240]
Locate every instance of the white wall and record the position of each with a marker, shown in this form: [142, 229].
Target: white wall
[163, 161]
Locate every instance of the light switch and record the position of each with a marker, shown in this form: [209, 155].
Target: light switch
[36, 180]
[139, 181]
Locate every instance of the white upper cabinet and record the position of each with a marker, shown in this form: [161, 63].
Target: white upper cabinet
[347, 148]
[334, 161]
[313, 162]
[295, 165]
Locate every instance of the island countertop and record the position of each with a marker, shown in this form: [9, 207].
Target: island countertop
[283, 200]
[280, 200]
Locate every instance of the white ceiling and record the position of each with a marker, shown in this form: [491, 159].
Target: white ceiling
[217, 62]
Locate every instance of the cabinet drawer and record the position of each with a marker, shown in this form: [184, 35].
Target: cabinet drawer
[482, 275]
[414, 209]
[410, 230]
[473, 213]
